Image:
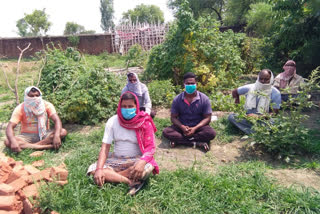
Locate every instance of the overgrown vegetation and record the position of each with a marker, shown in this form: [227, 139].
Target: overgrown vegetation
[81, 94]
[285, 134]
[162, 92]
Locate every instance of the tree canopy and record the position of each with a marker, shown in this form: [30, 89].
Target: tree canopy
[144, 14]
[106, 10]
[34, 24]
[73, 28]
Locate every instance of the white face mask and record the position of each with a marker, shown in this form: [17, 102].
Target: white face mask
[262, 87]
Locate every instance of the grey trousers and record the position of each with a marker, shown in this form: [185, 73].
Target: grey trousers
[243, 125]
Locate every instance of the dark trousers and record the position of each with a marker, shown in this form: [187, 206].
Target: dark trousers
[203, 134]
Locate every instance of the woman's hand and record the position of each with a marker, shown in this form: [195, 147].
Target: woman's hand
[137, 170]
[99, 177]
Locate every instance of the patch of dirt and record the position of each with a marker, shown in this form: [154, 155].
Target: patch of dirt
[7, 102]
[85, 130]
[162, 113]
[136, 70]
[24, 66]
[297, 177]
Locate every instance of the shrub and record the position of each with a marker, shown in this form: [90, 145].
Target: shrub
[285, 135]
[198, 46]
[161, 92]
[136, 56]
[81, 94]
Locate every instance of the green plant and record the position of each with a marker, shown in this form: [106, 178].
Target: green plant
[225, 102]
[74, 40]
[161, 124]
[284, 134]
[81, 94]
[161, 92]
[136, 56]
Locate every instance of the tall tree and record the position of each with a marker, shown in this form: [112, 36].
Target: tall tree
[106, 9]
[201, 7]
[144, 14]
[73, 28]
[34, 24]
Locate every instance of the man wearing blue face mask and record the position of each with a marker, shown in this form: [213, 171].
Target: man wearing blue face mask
[190, 115]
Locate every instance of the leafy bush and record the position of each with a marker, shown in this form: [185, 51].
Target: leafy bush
[136, 56]
[285, 135]
[198, 46]
[225, 102]
[81, 94]
[161, 92]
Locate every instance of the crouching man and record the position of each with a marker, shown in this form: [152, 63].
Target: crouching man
[34, 114]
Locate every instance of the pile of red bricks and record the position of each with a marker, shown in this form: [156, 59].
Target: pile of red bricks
[19, 183]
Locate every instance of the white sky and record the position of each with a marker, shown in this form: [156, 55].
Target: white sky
[83, 12]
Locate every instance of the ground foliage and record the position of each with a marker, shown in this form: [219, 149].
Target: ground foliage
[198, 46]
[284, 135]
[81, 93]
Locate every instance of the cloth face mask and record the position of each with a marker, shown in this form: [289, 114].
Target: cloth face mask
[190, 89]
[128, 113]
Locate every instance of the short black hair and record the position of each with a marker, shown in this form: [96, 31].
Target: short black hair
[33, 90]
[189, 75]
[266, 69]
[130, 75]
[128, 96]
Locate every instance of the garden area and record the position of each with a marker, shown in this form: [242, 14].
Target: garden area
[274, 170]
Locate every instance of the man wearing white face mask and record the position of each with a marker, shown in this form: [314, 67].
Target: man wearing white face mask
[190, 114]
[34, 114]
[260, 98]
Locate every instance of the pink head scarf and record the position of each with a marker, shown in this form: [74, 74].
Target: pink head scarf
[144, 127]
[289, 71]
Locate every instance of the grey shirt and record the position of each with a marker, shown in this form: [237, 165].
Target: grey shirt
[144, 99]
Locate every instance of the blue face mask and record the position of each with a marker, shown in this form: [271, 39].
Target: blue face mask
[190, 89]
[128, 113]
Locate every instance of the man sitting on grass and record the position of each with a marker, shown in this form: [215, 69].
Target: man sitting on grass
[190, 115]
[34, 114]
[258, 98]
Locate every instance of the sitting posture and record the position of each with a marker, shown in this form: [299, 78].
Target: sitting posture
[288, 80]
[258, 99]
[34, 114]
[190, 115]
[141, 91]
[132, 132]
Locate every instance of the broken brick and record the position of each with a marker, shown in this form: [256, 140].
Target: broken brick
[31, 169]
[27, 207]
[19, 183]
[20, 195]
[42, 175]
[38, 163]
[5, 170]
[13, 176]
[54, 212]
[31, 191]
[6, 190]
[59, 173]
[7, 202]
[36, 154]
[9, 212]
[61, 183]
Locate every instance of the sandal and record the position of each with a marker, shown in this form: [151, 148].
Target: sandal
[205, 146]
[136, 187]
[172, 144]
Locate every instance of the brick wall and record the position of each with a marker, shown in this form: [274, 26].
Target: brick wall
[91, 44]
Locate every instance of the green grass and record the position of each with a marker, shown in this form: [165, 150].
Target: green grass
[226, 132]
[107, 60]
[161, 124]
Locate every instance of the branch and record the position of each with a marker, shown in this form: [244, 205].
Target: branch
[18, 71]
[218, 14]
[44, 61]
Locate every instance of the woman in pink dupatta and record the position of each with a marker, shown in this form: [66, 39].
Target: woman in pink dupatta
[132, 132]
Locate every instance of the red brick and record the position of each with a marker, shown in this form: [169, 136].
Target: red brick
[31, 191]
[61, 183]
[13, 176]
[20, 195]
[7, 202]
[54, 212]
[5, 171]
[42, 175]
[38, 163]
[9, 212]
[19, 183]
[59, 174]
[6, 190]
[27, 207]
[31, 169]
[11, 162]
[36, 154]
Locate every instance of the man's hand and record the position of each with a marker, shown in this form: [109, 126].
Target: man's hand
[137, 170]
[191, 131]
[185, 129]
[99, 177]
[56, 142]
[15, 146]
